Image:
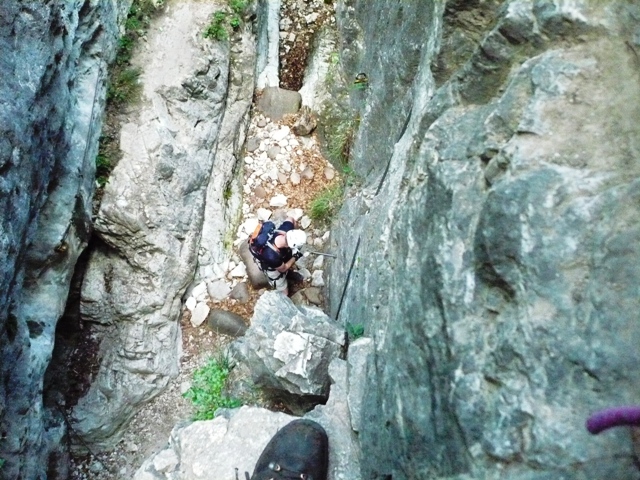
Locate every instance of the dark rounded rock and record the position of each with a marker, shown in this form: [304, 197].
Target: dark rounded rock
[240, 292]
[227, 323]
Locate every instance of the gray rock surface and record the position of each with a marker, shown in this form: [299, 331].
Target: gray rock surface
[257, 278]
[227, 323]
[495, 301]
[224, 192]
[152, 216]
[359, 356]
[268, 62]
[276, 102]
[215, 448]
[53, 70]
[334, 416]
[289, 348]
[313, 91]
[240, 292]
[235, 439]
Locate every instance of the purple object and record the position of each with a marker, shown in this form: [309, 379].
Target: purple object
[613, 417]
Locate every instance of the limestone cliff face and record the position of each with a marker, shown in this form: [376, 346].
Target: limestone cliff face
[53, 70]
[495, 244]
[163, 212]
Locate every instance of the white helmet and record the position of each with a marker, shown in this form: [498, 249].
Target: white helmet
[296, 239]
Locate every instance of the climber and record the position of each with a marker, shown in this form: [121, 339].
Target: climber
[300, 449]
[279, 253]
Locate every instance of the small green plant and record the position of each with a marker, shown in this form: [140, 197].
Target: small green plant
[238, 6]
[107, 151]
[340, 136]
[1, 463]
[124, 87]
[235, 22]
[355, 331]
[207, 389]
[327, 203]
[217, 29]
[227, 192]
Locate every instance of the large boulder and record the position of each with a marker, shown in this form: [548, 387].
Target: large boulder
[277, 102]
[289, 348]
[229, 444]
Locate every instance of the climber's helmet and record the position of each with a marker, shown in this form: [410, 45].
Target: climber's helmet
[296, 239]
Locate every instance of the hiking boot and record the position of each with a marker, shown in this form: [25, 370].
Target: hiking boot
[294, 277]
[299, 450]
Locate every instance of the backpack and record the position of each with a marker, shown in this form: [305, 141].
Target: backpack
[261, 238]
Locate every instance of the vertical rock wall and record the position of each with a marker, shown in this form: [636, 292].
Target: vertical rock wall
[163, 209]
[495, 260]
[53, 70]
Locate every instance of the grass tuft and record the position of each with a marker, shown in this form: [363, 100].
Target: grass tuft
[326, 205]
[208, 386]
[123, 87]
[221, 22]
[354, 331]
[217, 29]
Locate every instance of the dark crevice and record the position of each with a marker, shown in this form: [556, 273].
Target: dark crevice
[74, 363]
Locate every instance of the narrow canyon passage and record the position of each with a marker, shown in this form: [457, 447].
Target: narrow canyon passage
[280, 173]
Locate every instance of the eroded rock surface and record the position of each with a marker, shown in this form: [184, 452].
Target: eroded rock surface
[496, 253]
[153, 211]
[215, 448]
[53, 70]
[289, 348]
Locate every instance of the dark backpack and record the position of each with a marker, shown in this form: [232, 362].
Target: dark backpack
[261, 238]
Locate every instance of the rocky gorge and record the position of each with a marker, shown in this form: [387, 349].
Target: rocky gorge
[486, 245]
